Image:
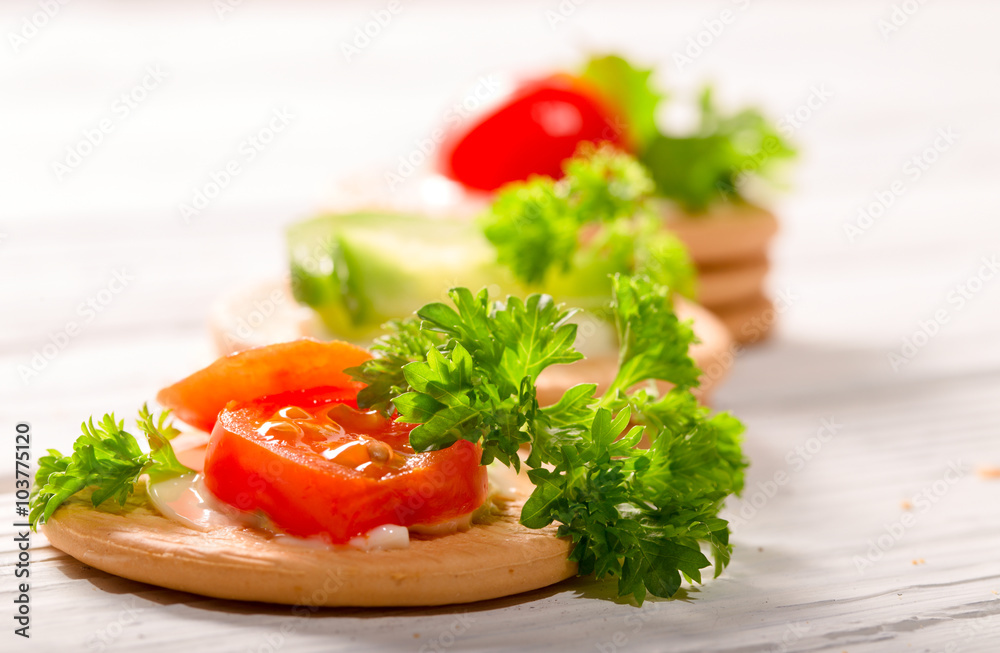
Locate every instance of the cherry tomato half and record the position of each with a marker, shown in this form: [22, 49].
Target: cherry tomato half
[538, 128]
[316, 465]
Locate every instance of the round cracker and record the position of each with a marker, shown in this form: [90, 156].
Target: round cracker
[726, 233]
[750, 321]
[724, 285]
[488, 561]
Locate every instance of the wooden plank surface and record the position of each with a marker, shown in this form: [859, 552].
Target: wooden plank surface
[869, 523]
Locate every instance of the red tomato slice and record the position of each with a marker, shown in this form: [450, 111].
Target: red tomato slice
[316, 465]
[532, 134]
[254, 373]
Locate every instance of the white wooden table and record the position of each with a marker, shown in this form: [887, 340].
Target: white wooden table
[870, 522]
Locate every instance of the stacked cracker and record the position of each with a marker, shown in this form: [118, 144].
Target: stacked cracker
[729, 247]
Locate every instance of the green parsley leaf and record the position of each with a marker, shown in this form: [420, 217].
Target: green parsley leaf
[404, 342]
[571, 233]
[654, 343]
[447, 393]
[640, 515]
[531, 229]
[108, 459]
[711, 164]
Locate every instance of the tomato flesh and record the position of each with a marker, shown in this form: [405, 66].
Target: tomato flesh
[316, 465]
[531, 134]
[270, 370]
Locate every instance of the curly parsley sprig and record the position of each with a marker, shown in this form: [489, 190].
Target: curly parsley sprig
[640, 515]
[599, 214]
[712, 164]
[108, 459]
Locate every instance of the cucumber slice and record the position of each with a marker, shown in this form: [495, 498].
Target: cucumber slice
[360, 270]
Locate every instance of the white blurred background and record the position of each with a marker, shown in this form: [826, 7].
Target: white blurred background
[226, 68]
